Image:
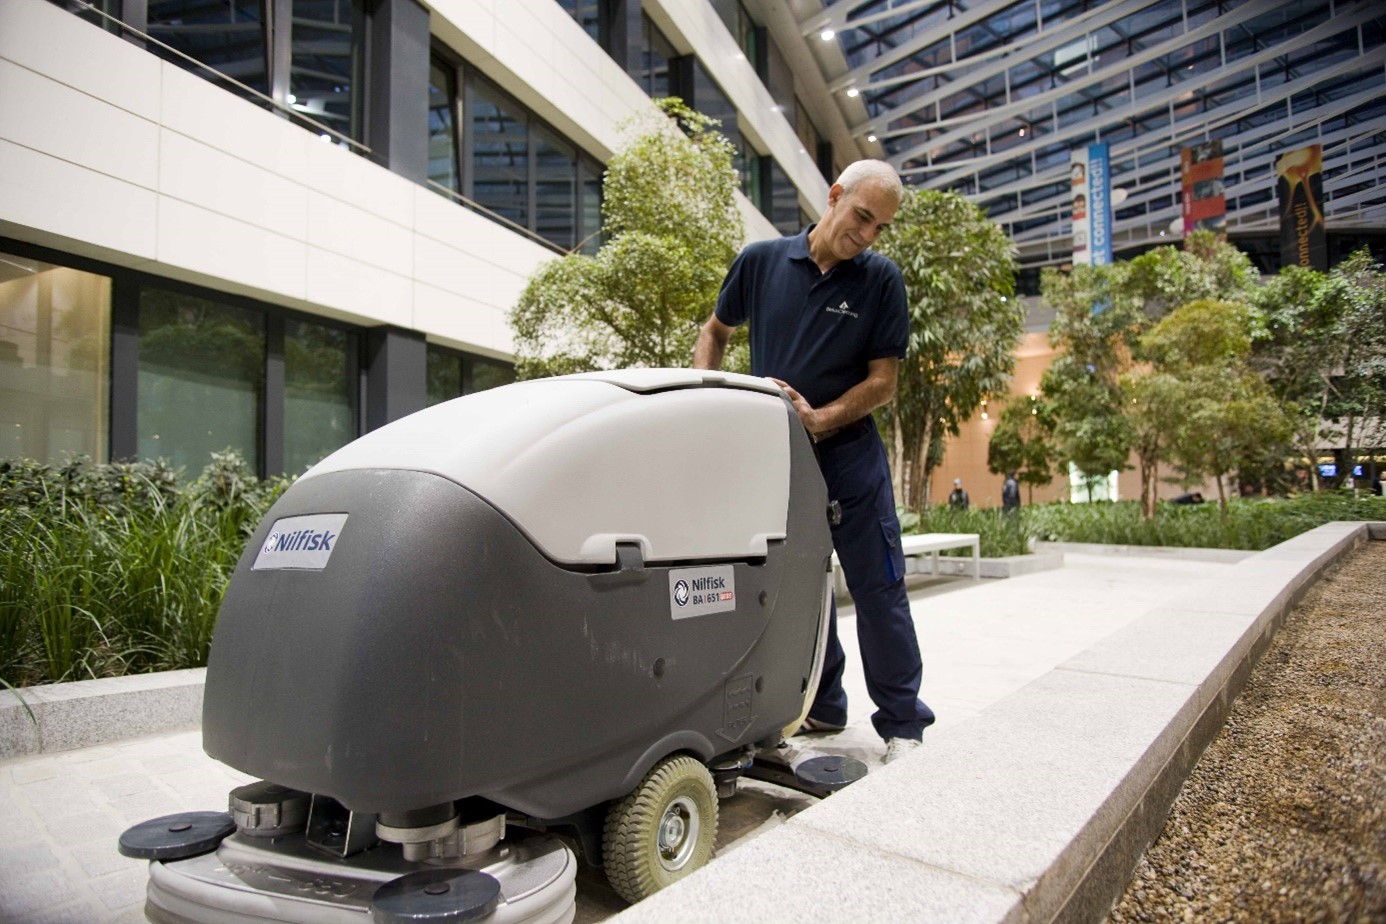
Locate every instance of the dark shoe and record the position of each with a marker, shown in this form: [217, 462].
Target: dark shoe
[814, 726]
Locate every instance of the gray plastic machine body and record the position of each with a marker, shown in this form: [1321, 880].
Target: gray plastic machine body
[530, 594]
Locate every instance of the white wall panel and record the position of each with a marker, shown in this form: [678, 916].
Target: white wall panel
[202, 110]
[88, 131]
[120, 73]
[89, 209]
[460, 321]
[359, 234]
[358, 288]
[222, 248]
[348, 177]
[215, 180]
[455, 271]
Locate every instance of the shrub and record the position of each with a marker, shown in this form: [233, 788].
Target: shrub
[115, 568]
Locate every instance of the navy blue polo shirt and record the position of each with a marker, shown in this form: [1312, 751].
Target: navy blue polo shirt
[816, 331]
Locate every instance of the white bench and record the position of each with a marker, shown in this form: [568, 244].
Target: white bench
[922, 543]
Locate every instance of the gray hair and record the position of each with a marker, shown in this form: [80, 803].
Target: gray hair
[876, 172]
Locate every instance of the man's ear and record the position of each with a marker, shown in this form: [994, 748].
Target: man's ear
[834, 193]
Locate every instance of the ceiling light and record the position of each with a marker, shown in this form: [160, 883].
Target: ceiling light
[871, 138]
[852, 92]
[827, 35]
[1022, 133]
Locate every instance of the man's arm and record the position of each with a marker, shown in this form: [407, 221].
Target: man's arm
[876, 389]
[712, 344]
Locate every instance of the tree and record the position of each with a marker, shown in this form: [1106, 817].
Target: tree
[1021, 443]
[669, 211]
[1154, 403]
[1222, 412]
[1207, 267]
[1096, 319]
[1293, 350]
[965, 323]
[1355, 297]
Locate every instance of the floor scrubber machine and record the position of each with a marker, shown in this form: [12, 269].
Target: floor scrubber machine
[559, 617]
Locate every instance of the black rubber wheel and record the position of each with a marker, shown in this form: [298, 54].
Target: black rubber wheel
[662, 831]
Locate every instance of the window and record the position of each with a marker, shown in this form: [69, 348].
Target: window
[500, 155]
[442, 126]
[55, 328]
[200, 381]
[326, 69]
[228, 35]
[655, 53]
[452, 374]
[319, 392]
[522, 170]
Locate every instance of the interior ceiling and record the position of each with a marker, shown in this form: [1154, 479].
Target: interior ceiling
[989, 97]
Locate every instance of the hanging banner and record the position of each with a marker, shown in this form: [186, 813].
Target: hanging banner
[1091, 183]
[1299, 183]
[1205, 206]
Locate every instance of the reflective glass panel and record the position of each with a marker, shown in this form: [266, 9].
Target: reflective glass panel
[319, 393]
[444, 376]
[228, 35]
[488, 374]
[201, 375]
[324, 75]
[500, 156]
[555, 188]
[442, 127]
[55, 329]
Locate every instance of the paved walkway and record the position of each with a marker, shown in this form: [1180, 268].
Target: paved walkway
[983, 641]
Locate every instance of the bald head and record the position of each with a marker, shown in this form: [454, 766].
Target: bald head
[875, 173]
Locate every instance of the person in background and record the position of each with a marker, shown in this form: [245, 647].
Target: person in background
[829, 324]
[1010, 493]
[958, 499]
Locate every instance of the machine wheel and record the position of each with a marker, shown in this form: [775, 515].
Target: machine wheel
[663, 830]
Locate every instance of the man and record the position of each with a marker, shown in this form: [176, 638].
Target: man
[957, 498]
[1010, 493]
[829, 324]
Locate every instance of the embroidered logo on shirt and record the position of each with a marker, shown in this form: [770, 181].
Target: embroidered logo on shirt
[842, 309]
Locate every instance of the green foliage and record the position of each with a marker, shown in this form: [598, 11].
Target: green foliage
[1218, 414]
[669, 212]
[1250, 523]
[965, 322]
[998, 534]
[1206, 267]
[115, 569]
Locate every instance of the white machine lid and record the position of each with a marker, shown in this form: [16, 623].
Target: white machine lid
[687, 464]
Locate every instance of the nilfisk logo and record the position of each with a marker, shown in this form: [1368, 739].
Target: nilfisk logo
[303, 543]
[700, 591]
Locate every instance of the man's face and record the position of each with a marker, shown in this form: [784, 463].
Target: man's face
[855, 219]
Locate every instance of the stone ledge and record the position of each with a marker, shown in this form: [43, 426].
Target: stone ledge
[1012, 815]
[1230, 556]
[83, 713]
[1005, 567]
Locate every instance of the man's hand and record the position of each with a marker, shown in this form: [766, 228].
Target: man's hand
[808, 415]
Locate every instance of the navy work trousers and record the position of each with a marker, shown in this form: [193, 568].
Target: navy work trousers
[867, 541]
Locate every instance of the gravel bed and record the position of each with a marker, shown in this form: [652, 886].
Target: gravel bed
[1284, 817]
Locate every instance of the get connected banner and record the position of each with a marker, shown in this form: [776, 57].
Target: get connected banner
[1091, 182]
[1299, 183]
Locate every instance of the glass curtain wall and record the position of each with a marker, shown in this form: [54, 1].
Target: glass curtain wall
[55, 328]
[320, 410]
[200, 381]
